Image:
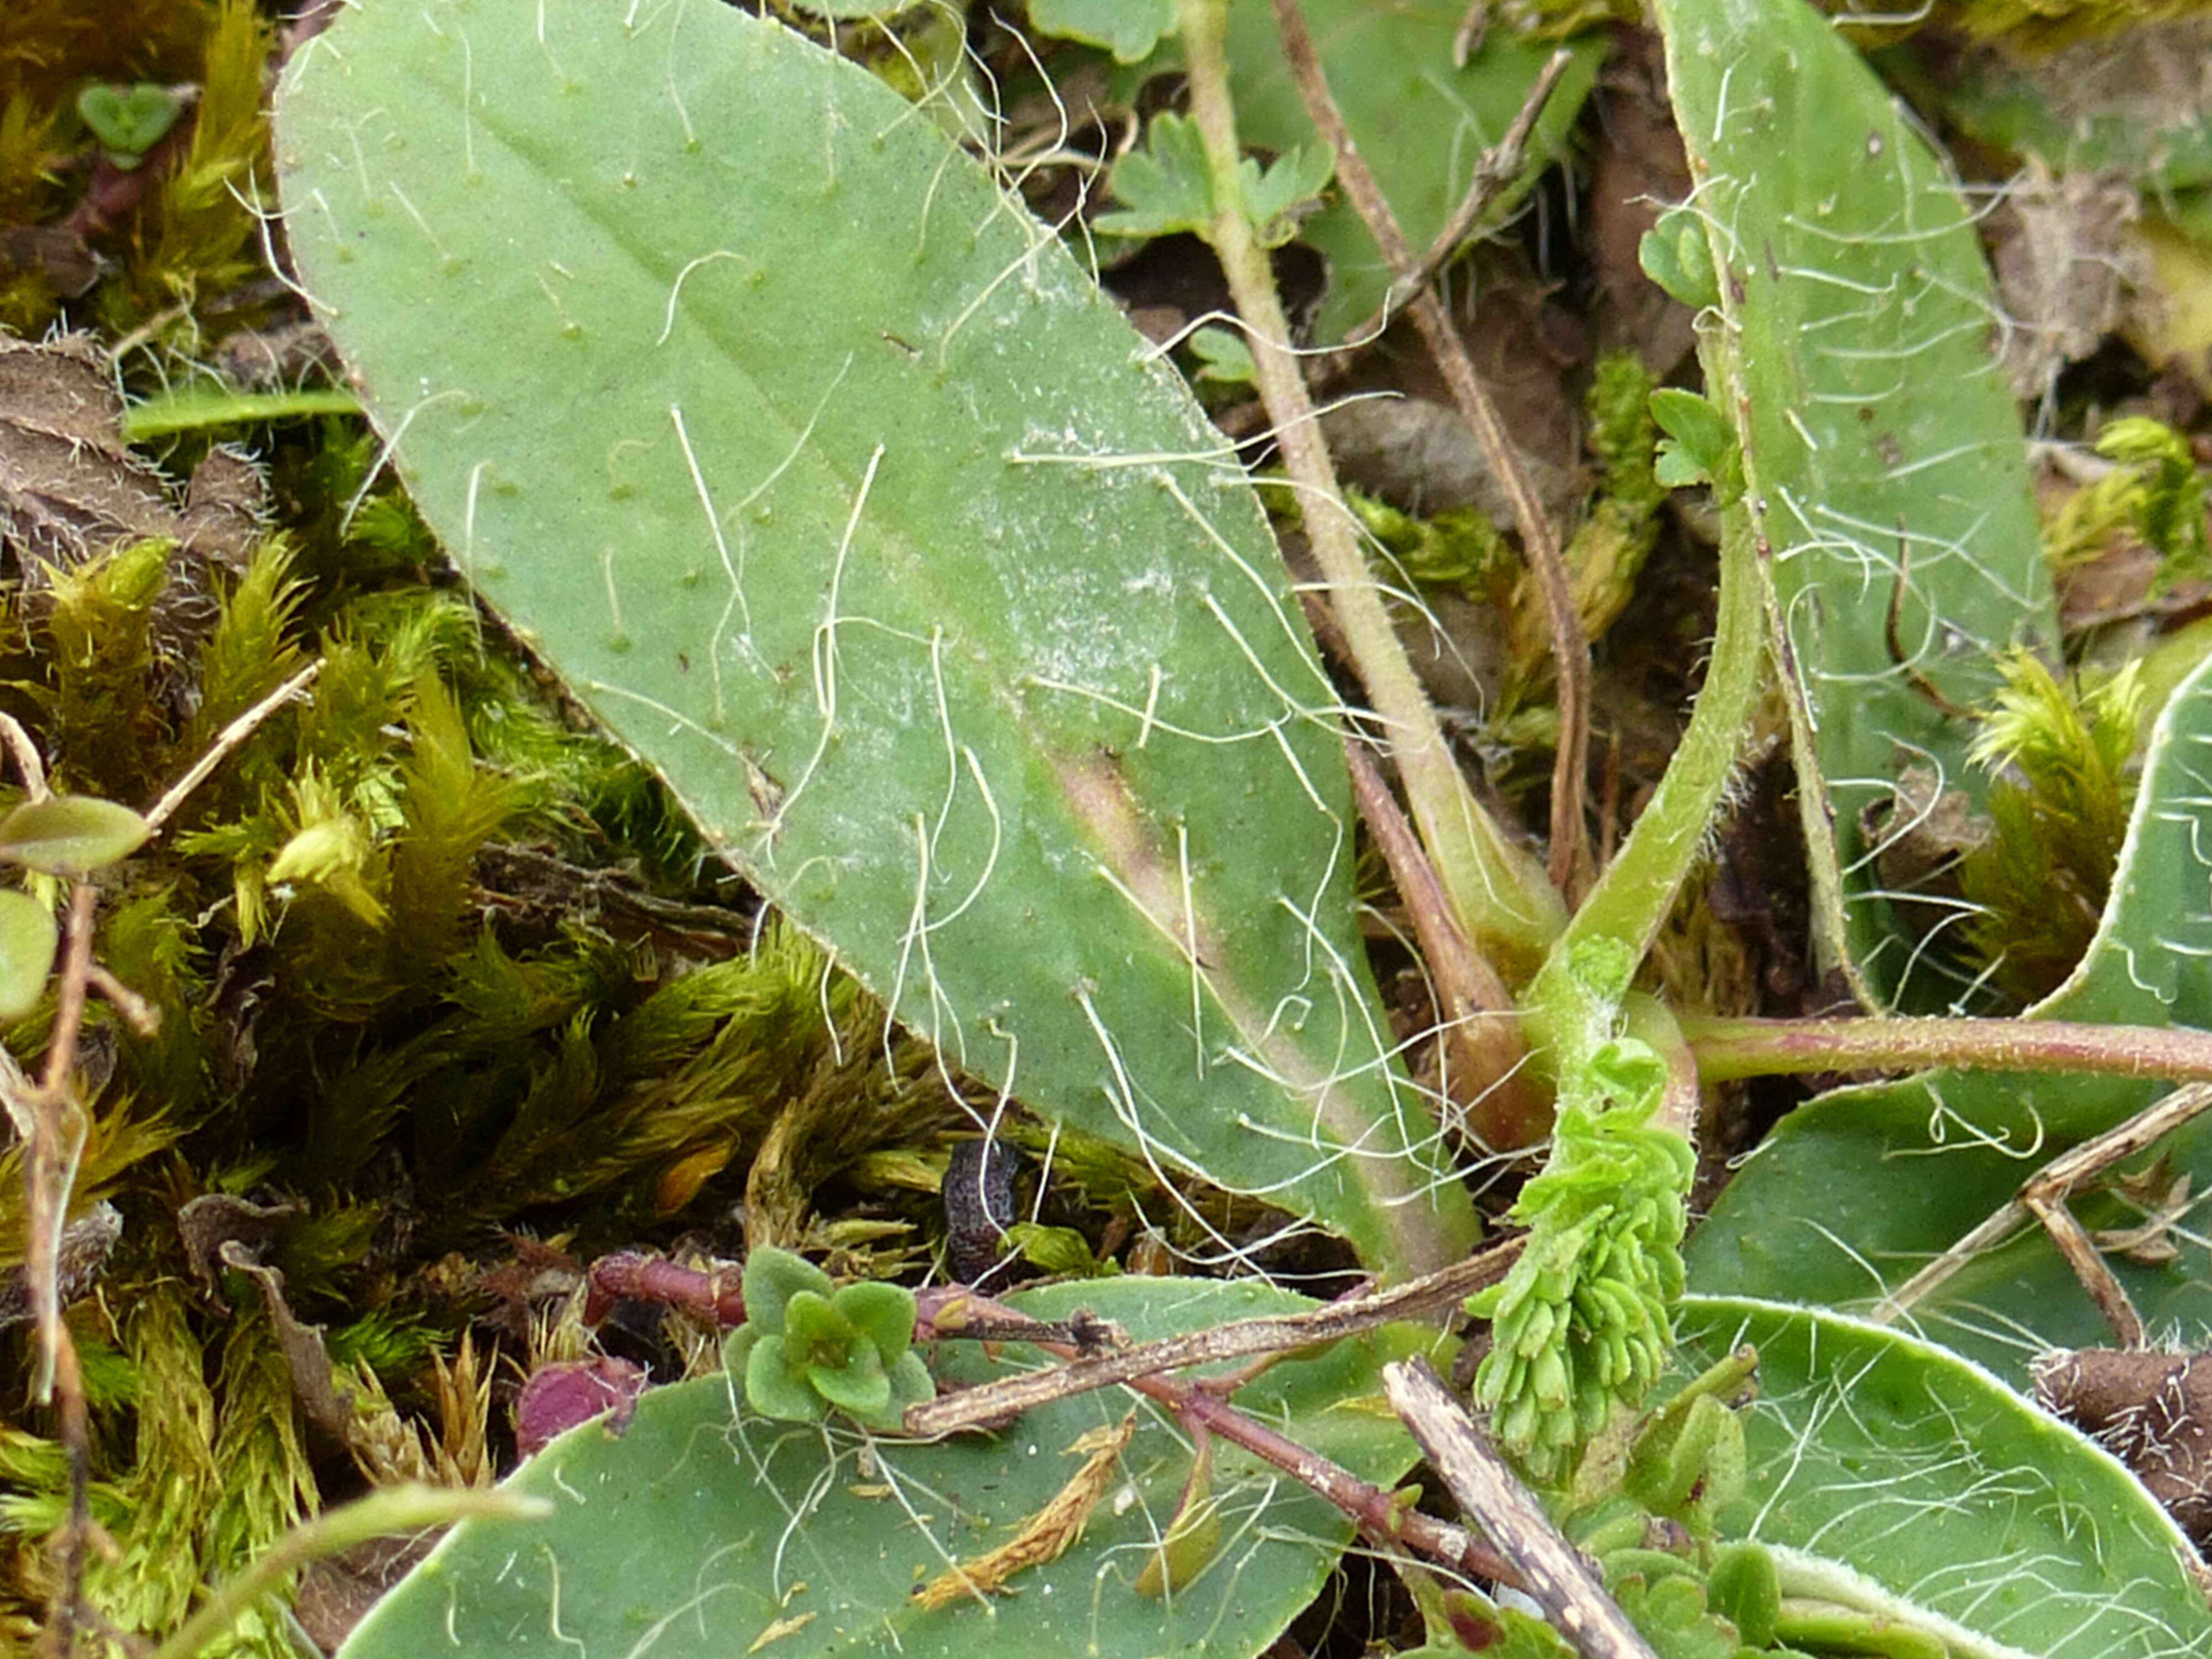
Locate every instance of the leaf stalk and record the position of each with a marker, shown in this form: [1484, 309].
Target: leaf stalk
[1731, 1049]
[1504, 903]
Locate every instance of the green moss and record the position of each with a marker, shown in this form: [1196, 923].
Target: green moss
[2064, 752]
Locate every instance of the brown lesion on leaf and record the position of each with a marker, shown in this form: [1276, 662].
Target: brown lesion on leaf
[1130, 855]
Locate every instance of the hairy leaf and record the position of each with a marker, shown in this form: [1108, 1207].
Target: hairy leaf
[824, 476]
[1855, 1192]
[683, 1529]
[1883, 458]
[1891, 1477]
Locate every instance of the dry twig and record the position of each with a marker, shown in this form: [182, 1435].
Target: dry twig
[1433, 1292]
[1539, 542]
[2042, 1197]
[1556, 1576]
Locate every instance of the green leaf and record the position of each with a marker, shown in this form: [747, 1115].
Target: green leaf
[772, 1278]
[1891, 1477]
[1164, 188]
[881, 1314]
[70, 835]
[1857, 347]
[1273, 196]
[1130, 29]
[831, 484]
[911, 1384]
[1223, 356]
[28, 938]
[1673, 254]
[1744, 1590]
[774, 1387]
[681, 1530]
[860, 1386]
[1700, 442]
[128, 120]
[1853, 1193]
[1421, 122]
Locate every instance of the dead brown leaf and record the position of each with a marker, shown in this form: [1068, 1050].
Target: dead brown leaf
[71, 489]
[1046, 1535]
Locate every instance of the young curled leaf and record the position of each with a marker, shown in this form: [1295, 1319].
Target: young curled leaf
[1193, 1537]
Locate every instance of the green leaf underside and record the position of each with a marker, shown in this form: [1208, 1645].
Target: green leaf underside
[1946, 1490]
[680, 1533]
[1855, 1192]
[830, 483]
[1858, 357]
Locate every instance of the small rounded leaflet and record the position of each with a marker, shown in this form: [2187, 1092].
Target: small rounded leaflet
[807, 1346]
[128, 120]
[70, 835]
[28, 938]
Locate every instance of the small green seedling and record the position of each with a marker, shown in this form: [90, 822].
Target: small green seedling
[807, 1346]
[128, 121]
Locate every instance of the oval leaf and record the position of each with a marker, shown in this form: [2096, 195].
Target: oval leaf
[28, 939]
[70, 835]
[1882, 451]
[1947, 1499]
[833, 484]
[1853, 1193]
[684, 1530]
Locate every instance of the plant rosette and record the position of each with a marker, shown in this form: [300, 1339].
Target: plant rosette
[806, 1345]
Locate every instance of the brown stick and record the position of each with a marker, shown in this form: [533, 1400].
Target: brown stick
[1559, 1578]
[1377, 1512]
[52, 1128]
[988, 1402]
[1496, 167]
[2043, 1196]
[1540, 544]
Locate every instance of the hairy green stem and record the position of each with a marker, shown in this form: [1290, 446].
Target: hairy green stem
[1633, 897]
[1500, 896]
[1730, 1048]
[403, 1509]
